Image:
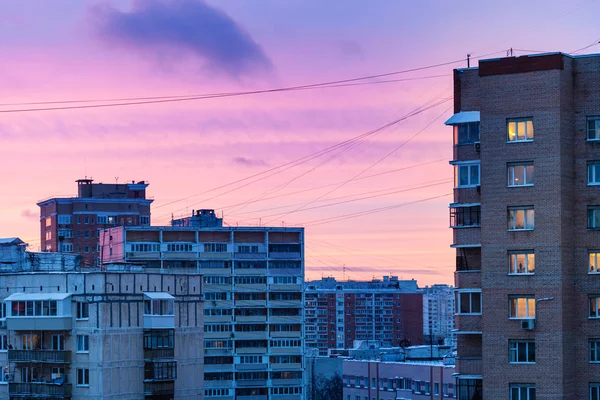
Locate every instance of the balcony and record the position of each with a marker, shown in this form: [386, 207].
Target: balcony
[251, 350]
[183, 255]
[40, 356]
[285, 303]
[250, 303]
[287, 382]
[288, 334]
[284, 256]
[465, 152]
[286, 350]
[251, 256]
[142, 255]
[468, 279]
[285, 366]
[159, 388]
[286, 319]
[469, 365]
[467, 195]
[153, 354]
[40, 323]
[218, 368]
[252, 383]
[250, 287]
[39, 390]
[219, 384]
[251, 318]
[276, 287]
[251, 335]
[214, 256]
[251, 367]
[468, 324]
[466, 236]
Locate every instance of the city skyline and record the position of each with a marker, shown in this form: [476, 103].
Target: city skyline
[94, 50]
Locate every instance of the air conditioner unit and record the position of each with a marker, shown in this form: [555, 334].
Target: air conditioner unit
[528, 324]
[8, 377]
[477, 146]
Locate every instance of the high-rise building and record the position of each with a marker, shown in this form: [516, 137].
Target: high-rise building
[526, 225]
[72, 224]
[69, 334]
[336, 314]
[438, 314]
[252, 281]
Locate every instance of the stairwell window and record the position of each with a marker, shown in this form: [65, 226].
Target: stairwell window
[522, 307]
[522, 351]
[521, 262]
[520, 130]
[521, 218]
[593, 128]
[520, 174]
[466, 174]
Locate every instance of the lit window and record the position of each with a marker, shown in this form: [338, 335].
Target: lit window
[466, 174]
[521, 218]
[522, 351]
[522, 307]
[594, 257]
[469, 302]
[521, 174]
[593, 217]
[594, 303]
[522, 391]
[593, 173]
[593, 128]
[466, 133]
[520, 130]
[521, 262]
[465, 216]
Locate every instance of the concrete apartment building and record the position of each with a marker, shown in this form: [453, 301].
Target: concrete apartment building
[252, 284]
[68, 334]
[72, 224]
[438, 314]
[338, 313]
[526, 223]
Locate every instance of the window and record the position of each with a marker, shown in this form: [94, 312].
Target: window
[521, 262]
[465, 216]
[247, 249]
[144, 220]
[469, 302]
[594, 173]
[594, 391]
[36, 308]
[67, 247]
[520, 174]
[436, 389]
[520, 130]
[215, 247]
[466, 133]
[83, 343]
[86, 249]
[86, 234]
[83, 377]
[180, 247]
[160, 370]
[593, 217]
[594, 303]
[65, 233]
[522, 391]
[466, 175]
[86, 220]
[522, 307]
[65, 219]
[83, 311]
[146, 247]
[285, 280]
[593, 128]
[3, 342]
[522, 351]
[594, 257]
[521, 218]
[58, 342]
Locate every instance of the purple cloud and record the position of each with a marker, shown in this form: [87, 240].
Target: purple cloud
[248, 162]
[174, 29]
[30, 215]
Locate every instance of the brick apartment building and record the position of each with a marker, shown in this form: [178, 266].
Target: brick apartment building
[526, 227]
[72, 224]
[338, 313]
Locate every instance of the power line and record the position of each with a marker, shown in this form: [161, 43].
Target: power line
[231, 94]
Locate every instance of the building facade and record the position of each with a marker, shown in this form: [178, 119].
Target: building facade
[252, 281]
[438, 314]
[526, 221]
[72, 224]
[336, 314]
[66, 334]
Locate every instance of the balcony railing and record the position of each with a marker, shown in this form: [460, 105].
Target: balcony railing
[39, 390]
[157, 388]
[152, 354]
[40, 356]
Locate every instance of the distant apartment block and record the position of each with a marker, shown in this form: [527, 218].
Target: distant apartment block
[526, 227]
[72, 224]
[338, 313]
[252, 281]
[67, 334]
[438, 314]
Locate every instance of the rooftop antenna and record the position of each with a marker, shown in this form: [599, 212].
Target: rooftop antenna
[468, 61]
[344, 272]
[117, 180]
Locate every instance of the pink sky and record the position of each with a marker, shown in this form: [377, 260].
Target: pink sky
[73, 50]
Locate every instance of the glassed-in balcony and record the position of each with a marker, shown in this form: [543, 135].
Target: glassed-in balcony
[40, 356]
[39, 390]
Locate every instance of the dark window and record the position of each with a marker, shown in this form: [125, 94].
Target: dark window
[466, 133]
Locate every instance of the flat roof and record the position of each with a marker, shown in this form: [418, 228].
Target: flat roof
[158, 295]
[37, 296]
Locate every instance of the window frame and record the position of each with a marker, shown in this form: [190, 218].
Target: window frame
[519, 386]
[516, 121]
[513, 351]
[82, 310]
[594, 299]
[594, 351]
[596, 120]
[594, 390]
[83, 377]
[469, 165]
[510, 172]
[528, 314]
[592, 172]
[513, 227]
[591, 218]
[513, 256]
[470, 129]
[594, 267]
[459, 301]
[460, 212]
[82, 344]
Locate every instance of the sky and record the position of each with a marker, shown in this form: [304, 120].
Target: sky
[371, 207]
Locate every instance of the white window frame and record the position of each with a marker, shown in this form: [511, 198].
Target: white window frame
[67, 247]
[526, 124]
[513, 350]
[520, 386]
[83, 377]
[144, 220]
[594, 261]
[529, 305]
[594, 311]
[528, 259]
[459, 301]
[596, 129]
[593, 173]
[528, 218]
[65, 219]
[82, 306]
[4, 343]
[593, 217]
[459, 166]
[594, 352]
[83, 343]
[516, 178]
